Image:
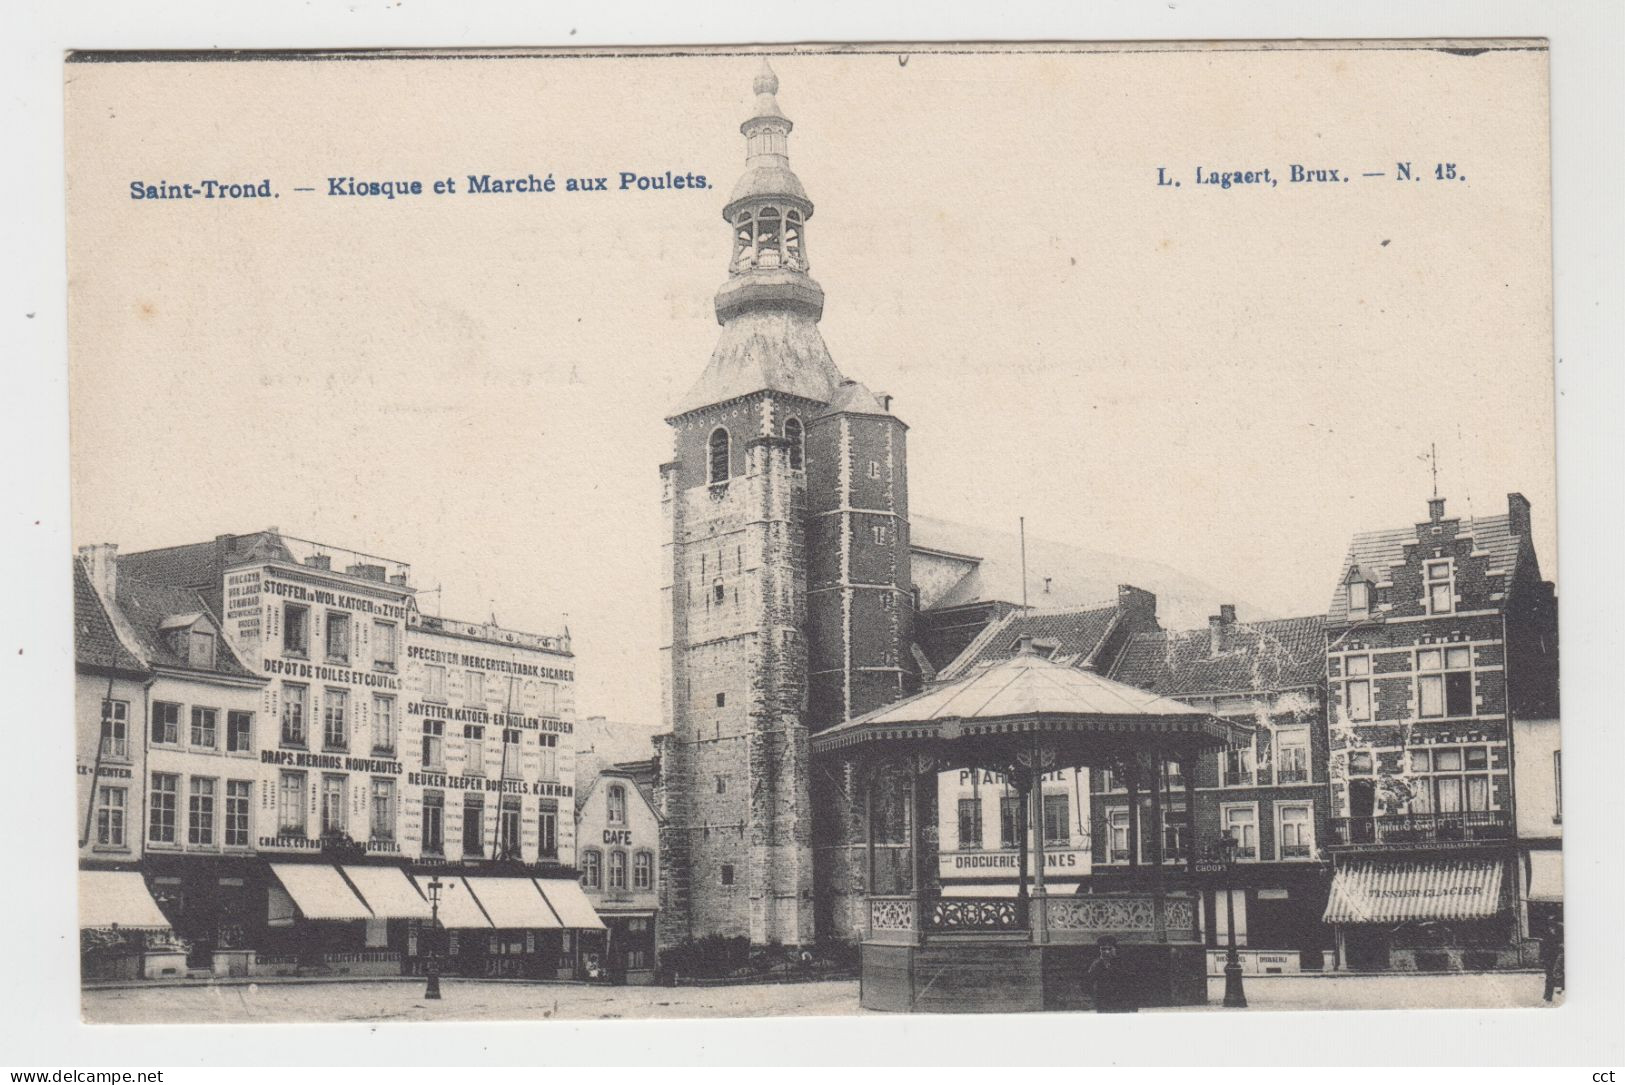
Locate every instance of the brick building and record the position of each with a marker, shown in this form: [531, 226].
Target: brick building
[1441, 647]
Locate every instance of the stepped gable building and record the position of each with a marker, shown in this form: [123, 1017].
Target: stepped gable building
[1271, 796]
[1441, 652]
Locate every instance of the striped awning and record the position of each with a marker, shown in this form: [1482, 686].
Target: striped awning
[117, 900]
[1389, 892]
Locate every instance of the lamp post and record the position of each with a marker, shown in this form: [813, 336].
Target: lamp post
[1234, 997]
[433, 967]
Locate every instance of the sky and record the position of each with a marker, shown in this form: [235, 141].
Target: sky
[1230, 382]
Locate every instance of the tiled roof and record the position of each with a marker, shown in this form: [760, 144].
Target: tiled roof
[764, 350]
[95, 642]
[1376, 552]
[1067, 636]
[1060, 574]
[1284, 653]
[201, 565]
[146, 605]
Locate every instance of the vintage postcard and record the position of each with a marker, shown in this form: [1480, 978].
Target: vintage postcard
[813, 530]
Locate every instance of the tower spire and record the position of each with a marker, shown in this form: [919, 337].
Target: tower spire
[768, 214]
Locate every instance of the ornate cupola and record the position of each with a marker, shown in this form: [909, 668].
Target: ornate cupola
[768, 214]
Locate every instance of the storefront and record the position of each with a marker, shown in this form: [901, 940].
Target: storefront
[511, 927]
[122, 932]
[1434, 915]
[619, 835]
[1278, 919]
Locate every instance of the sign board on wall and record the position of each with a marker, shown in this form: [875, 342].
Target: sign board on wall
[1071, 862]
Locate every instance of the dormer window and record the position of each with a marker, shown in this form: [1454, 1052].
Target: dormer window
[719, 456]
[200, 647]
[1359, 599]
[793, 434]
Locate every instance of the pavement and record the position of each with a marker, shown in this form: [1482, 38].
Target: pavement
[475, 1000]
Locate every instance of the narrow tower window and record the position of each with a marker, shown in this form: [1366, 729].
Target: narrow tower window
[719, 455]
[794, 253]
[744, 240]
[792, 433]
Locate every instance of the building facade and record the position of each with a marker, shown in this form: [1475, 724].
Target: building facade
[620, 867]
[312, 752]
[1441, 653]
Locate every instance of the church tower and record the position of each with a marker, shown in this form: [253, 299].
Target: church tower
[780, 465]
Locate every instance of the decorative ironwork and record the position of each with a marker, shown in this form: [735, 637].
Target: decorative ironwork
[1119, 914]
[891, 914]
[1460, 827]
[975, 914]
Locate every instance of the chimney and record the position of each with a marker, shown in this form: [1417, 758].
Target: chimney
[367, 572]
[1518, 515]
[101, 565]
[885, 401]
[1024, 646]
[1218, 629]
[319, 561]
[398, 579]
[1138, 607]
[1436, 509]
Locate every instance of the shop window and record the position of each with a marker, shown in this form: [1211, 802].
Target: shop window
[385, 650]
[335, 720]
[547, 825]
[473, 825]
[295, 630]
[643, 870]
[383, 725]
[970, 823]
[166, 723]
[382, 827]
[434, 744]
[615, 805]
[434, 823]
[793, 434]
[293, 714]
[239, 813]
[719, 457]
[110, 816]
[291, 804]
[337, 637]
[334, 804]
[239, 732]
[115, 730]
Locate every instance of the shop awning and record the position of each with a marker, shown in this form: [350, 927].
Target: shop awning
[575, 911]
[1546, 876]
[1386, 892]
[458, 908]
[388, 892]
[514, 904]
[117, 898]
[319, 891]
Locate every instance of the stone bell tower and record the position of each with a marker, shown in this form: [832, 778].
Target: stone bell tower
[786, 549]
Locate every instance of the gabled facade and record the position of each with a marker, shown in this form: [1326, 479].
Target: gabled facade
[619, 834]
[1441, 638]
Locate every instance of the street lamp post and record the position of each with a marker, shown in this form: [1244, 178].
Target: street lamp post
[433, 966]
[1234, 996]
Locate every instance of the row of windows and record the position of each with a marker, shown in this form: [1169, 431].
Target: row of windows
[1294, 833]
[767, 239]
[1289, 751]
[1444, 684]
[474, 750]
[474, 692]
[335, 721]
[1057, 821]
[206, 823]
[337, 637]
[506, 841]
[1439, 590]
[592, 869]
[202, 729]
[1442, 779]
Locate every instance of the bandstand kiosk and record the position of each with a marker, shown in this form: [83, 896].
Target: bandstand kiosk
[1024, 717]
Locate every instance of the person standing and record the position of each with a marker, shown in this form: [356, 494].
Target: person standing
[1551, 948]
[1109, 981]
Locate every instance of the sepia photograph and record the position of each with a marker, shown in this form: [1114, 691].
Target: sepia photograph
[813, 531]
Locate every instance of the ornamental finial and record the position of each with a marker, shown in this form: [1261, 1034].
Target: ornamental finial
[766, 82]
